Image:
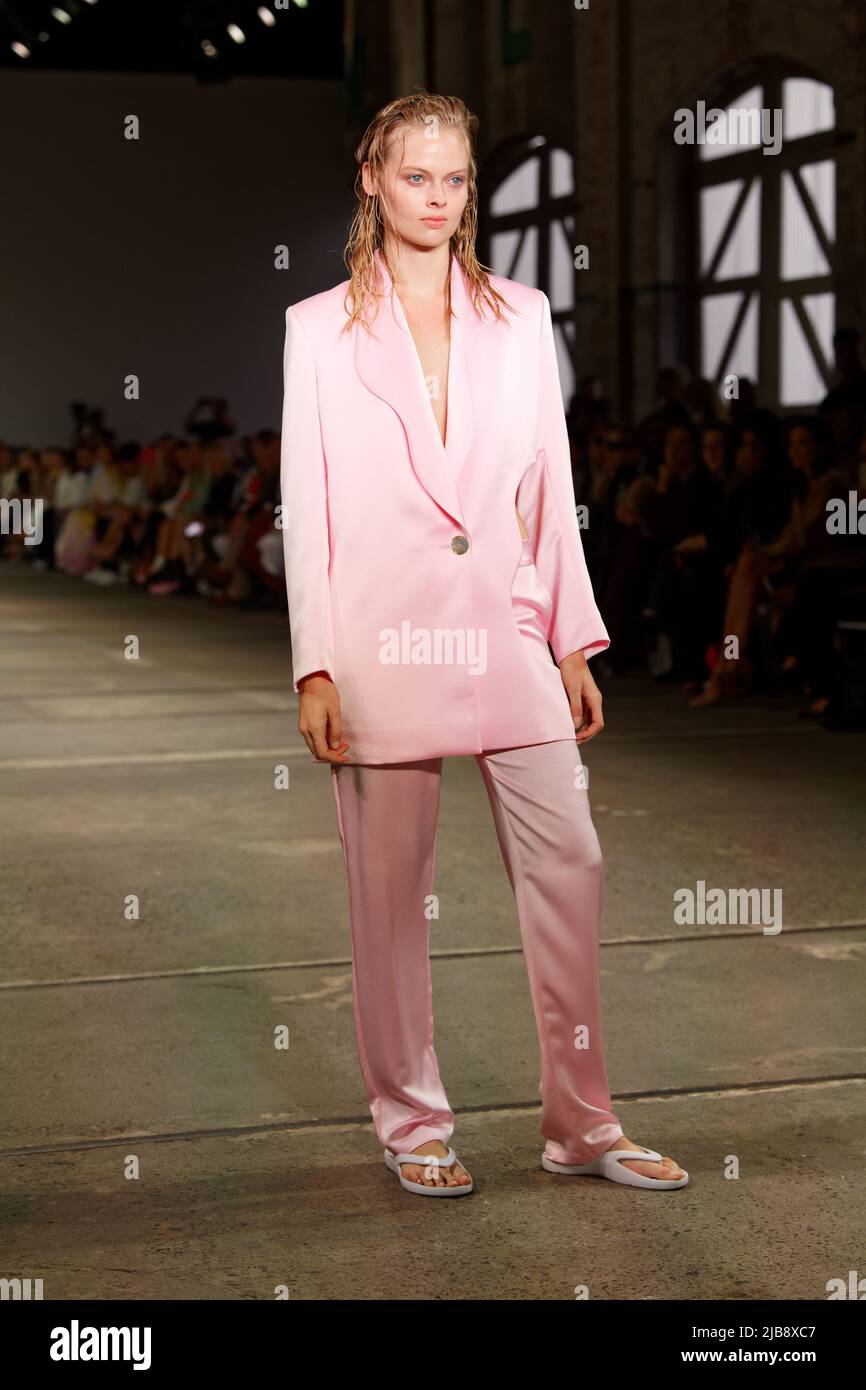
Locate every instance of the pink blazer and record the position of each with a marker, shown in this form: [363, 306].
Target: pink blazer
[408, 581]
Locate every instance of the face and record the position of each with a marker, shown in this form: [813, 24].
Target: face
[678, 450]
[750, 453]
[270, 456]
[615, 447]
[801, 448]
[425, 184]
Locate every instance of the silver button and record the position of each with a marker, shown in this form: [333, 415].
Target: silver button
[460, 545]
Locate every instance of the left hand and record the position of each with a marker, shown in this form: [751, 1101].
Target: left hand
[584, 696]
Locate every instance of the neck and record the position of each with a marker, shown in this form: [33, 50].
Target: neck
[419, 273]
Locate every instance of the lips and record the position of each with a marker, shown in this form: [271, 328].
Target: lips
[434, 221]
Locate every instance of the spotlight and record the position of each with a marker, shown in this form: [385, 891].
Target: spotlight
[266, 16]
[61, 15]
[236, 32]
[20, 49]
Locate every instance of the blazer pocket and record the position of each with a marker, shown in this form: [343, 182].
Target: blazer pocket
[531, 603]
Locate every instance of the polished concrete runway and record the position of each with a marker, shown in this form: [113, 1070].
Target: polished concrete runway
[156, 1143]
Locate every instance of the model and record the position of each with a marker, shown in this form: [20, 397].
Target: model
[433, 564]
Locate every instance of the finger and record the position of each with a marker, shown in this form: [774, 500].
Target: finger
[590, 732]
[320, 744]
[337, 755]
[324, 754]
[575, 704]
[335, 729]
[592, 704]
[594, 726]
[592, 721]
[581, 711]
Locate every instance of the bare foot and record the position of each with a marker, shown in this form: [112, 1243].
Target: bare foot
[652, 1169]
[430, 1174]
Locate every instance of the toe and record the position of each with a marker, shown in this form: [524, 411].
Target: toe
[652, 1170]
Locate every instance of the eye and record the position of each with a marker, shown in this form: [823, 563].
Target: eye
[415, 176]
[458, 178]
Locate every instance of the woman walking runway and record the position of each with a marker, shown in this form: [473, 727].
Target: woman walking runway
[434, 562]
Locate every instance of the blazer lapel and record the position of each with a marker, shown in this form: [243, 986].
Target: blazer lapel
[387, 362]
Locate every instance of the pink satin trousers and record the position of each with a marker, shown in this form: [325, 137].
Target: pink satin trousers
[388, 816]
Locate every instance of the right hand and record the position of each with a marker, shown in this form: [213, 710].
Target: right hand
[319, 719]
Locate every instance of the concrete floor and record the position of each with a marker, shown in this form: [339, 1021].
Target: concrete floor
[152, 1040]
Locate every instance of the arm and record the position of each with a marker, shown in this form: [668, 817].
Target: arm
[303, 494]
[576, 630]
[576, 623]
[307, 551]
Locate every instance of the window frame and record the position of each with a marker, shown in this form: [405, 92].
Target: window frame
[685, 175]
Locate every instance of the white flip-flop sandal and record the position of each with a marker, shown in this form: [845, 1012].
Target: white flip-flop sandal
[393, 1161]
[609, 1165]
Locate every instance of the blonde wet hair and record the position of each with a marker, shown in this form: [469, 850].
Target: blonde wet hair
[421, 111]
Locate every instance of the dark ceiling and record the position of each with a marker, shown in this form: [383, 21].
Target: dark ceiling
[304, 40]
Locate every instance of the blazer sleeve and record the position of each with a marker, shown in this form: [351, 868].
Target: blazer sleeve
[304, 498]
[575, 623]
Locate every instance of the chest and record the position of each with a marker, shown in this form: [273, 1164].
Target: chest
[432, 340]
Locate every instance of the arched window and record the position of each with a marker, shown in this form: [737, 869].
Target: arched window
[764, 248]
[528, 229]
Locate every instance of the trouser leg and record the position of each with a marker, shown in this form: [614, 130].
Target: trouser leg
[387, 817]
[554, 863]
